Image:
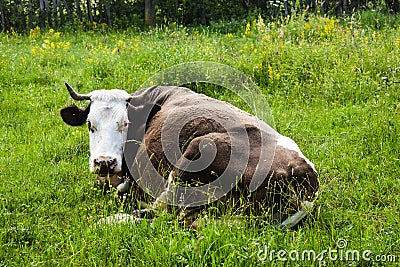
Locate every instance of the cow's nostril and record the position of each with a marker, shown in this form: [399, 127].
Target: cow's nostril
[111, 163]
[100, 163]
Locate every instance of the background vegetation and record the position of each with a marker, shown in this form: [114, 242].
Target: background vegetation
[332, 86]
[23, 15]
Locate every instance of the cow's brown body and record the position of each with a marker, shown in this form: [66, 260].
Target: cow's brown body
[288, 177]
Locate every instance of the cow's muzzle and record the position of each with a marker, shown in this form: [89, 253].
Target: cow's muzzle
[105, 165]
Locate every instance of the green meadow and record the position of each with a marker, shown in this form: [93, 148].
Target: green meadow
[332, 86]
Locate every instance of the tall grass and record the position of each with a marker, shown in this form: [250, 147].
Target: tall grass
[330, 84]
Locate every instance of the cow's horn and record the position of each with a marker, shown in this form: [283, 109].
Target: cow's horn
[75, 95]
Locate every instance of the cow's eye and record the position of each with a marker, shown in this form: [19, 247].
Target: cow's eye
[124, 126]
[91, 127]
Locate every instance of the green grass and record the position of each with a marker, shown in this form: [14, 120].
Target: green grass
[323, 80]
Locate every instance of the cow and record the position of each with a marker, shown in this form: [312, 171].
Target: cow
[193, 142]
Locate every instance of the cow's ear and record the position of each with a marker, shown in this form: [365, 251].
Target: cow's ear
[74, 116]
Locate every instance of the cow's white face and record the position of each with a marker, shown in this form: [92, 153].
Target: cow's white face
[107, 119]
[108, 125]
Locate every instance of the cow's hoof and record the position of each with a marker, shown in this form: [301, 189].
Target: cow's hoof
[124, 187]
[295, 218]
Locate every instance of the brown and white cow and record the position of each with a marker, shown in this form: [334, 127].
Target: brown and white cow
[191, 140]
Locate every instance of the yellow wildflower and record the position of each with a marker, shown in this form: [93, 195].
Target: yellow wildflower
[248, 28]
[270, 72]
[13, 32]
[34, 33]
[67, 45]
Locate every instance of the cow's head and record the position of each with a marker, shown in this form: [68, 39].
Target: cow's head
[107, 120]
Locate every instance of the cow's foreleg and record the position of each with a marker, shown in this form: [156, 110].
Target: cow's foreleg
[161, 202]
